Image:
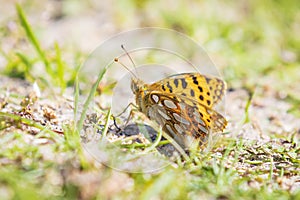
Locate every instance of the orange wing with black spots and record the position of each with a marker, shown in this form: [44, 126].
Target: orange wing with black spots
[204, 89]
[183, 105]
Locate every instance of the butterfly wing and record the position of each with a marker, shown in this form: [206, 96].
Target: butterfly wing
[204, 89]
[183, 118]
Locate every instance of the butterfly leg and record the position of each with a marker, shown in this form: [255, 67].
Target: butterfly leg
[125, 109]
[128, 118]
[115, 124]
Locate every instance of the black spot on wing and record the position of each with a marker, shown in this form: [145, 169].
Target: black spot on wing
[200, 88]
[176, 82]
[201, 97]
[195, 80]
[170, 87]
[183, 83]
[192, 93]
[208, 102]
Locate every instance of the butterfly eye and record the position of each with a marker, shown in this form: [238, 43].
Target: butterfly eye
[134, 86]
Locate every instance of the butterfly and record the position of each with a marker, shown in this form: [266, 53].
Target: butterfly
[182, 104]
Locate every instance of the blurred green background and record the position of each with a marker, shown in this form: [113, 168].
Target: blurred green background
[245, 38]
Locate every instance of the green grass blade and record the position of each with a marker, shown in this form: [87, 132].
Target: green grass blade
[89, 99]
[32, 38]
[31, 123]
[76, 98]
[248, 104]
[104, 132]
[60, 67]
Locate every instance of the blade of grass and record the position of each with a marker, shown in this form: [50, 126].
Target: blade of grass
[26, 62]
[73, 141]
[89, 98]
[32, 38]
[76, 98]
[104, 132]
[31, 123]
[60, 72]
[222, 168]
[248, 104]
[155, 143]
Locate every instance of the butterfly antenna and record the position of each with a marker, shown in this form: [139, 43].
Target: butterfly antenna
[118, 61]
[131, 60]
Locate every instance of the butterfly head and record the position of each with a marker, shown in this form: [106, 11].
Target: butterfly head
[137, 85]
[139, 89]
